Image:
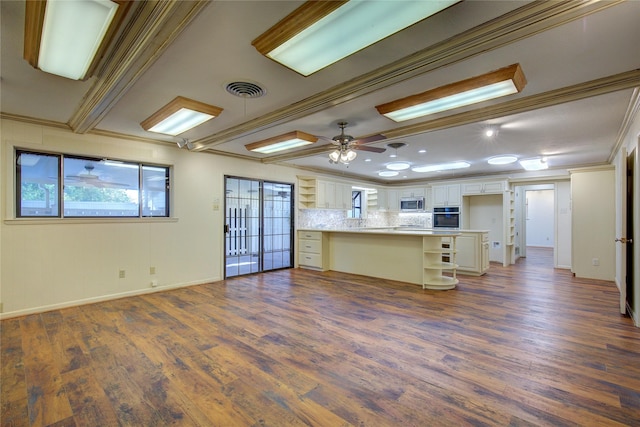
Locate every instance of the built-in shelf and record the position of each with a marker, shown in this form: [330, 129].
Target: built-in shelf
[439, 274]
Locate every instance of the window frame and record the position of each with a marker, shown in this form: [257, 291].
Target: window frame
[61, 186]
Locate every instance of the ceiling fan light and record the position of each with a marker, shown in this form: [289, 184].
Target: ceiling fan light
[502, 82]
[334, 156]
[351, 155]
[398, 166]
[502, 160]
[312, 36]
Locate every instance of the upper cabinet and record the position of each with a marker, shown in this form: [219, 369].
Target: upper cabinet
[491, 187]
[446, 195]
[333, 195]
[412, 192]
[307, 193]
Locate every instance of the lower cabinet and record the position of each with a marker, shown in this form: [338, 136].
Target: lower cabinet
[312, 250]
[473, 253]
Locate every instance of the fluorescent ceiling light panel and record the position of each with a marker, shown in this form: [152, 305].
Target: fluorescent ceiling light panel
[534, 164]
[179, 116]
[502, 82]
[67, 38]
[441, 167]
[282, 142]
[502, 160]
[320, 33]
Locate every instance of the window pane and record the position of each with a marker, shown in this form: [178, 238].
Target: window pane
[38, 186]
[155, 191]
[100, 188]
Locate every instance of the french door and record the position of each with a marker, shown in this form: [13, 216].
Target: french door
[258, 226]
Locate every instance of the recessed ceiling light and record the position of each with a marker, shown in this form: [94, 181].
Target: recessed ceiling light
[534, 164]
[387, 173]
[441, 167]
[422, 151]
[398, 166]
[502, 160]
[367, 160]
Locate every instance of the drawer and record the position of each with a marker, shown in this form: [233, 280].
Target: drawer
[310, 246]
[310, 260]
[310, 235]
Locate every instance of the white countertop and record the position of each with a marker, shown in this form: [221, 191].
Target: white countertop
[390, 231]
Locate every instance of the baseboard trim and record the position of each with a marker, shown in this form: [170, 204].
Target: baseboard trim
[102, 298]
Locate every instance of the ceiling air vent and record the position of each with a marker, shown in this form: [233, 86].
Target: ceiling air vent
[245, 89]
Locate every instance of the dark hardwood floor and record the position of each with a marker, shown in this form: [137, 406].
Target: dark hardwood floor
[521, 346]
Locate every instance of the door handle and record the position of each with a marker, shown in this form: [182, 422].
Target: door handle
[624, 240]
[226, 228]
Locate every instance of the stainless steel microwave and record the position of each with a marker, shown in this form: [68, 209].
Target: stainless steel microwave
[412, 204]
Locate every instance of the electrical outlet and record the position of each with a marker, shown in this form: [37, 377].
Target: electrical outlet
[152, 270]
[121, 274]
[154, 283]
[595, 262]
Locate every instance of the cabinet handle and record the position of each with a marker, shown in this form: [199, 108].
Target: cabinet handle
[307, 257]
[307, 246]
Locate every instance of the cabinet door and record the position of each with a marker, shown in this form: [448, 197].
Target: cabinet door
[440, 195]
[412, 192]
[485, 256]
[493, 187]
[468, 257]
[472, 188]
[393, 201]
[454, 198]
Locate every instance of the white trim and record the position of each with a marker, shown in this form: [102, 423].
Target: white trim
[102, 298]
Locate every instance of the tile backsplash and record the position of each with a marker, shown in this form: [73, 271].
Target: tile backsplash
[338, 219]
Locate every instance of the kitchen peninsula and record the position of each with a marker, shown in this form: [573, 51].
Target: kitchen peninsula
[407, 255]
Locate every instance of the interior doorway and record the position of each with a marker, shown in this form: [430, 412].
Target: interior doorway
[258, 226]
[627, 242]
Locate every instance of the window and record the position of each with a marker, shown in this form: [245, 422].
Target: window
[91, 187]
[356, 204]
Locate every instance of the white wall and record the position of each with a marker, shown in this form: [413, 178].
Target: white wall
[540, 215]
[53, 263]
[593, 223]
[563, 224]
[485, 213]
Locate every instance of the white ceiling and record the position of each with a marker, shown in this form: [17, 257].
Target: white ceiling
[581, 61]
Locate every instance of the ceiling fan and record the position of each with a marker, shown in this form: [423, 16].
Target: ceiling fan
[87, 177]
[345, 144]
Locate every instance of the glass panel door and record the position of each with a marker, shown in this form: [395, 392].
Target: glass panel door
[258, 226]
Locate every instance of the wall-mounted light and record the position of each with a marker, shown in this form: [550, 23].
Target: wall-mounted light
[179, 116]
[502, 82]
[319, 33]
[441, 167]
[68, 38]
[282, 142]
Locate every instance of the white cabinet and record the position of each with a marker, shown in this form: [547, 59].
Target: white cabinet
[412, 192]
[313, 247]
[447, 195]
[333, 195]
[473, 188]
[388, 200]
[473, 253]
[307, 191]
